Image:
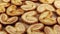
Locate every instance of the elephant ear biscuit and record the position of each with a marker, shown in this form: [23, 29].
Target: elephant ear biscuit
[4, 19]
[10, 29]
[29, 6]
[35, 29]
[29, 17]
[47, 18]
[18, 29]
[13, 11]
[43, 7]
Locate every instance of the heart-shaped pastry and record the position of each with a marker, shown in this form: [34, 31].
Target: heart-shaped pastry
[18, 29]
[4, 19]
[29, 6]
[13, 11]
[35, 29]
[29, 17]
[43, 7]
[47, 18]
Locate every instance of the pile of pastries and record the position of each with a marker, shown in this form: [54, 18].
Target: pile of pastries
[29, 16]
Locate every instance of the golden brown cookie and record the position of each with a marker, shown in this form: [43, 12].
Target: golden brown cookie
[47, 18]
[29, 17]
[29, 6]
[43, 7]
[35, 29]
[18, 29]
[13, 11]
[4, 19]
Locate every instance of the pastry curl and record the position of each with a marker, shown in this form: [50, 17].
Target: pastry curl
[4, 19]
[35, 29]
[29, 6]
[18, 29]
[43, 7]
[13, 11]
[47, 18]
[29, 17]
